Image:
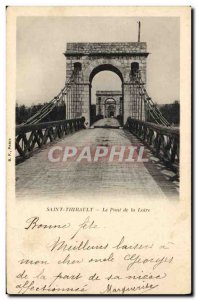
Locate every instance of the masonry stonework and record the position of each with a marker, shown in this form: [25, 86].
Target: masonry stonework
[109, 103]
[97, 57]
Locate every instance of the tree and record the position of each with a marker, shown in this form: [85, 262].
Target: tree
[171, 112]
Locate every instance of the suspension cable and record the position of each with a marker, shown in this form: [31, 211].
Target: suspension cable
[153, 110]
[48, 107]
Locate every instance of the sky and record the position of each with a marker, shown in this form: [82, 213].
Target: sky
[41, 42]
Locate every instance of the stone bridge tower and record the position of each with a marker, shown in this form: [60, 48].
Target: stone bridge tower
[92, 58]
[107, 99]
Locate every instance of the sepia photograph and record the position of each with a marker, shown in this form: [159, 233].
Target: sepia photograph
[97, 106]
[98, 151]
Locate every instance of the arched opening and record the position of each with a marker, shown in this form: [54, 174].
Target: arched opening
[105, 78]
[110, 108]
[77, 66]
[134, 68]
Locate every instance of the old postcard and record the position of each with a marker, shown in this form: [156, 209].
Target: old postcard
[99, 150]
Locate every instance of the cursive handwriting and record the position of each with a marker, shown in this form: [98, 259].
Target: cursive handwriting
[34, 224]
[142, 288]
[33, 287]
[79, 259]
[85, 245]
[156, 261]
[87, 224]
[121, 245]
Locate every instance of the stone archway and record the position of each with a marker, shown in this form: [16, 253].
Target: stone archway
[110, 108]
[103, 96]
[95, 71]
[96, 57]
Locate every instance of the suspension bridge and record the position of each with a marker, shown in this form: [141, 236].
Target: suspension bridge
[132, 119]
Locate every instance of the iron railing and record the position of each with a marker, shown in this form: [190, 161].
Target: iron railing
[163, 141]
[35, 136]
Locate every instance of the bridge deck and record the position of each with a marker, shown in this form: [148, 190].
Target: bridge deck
[40, 177]
[108, 122]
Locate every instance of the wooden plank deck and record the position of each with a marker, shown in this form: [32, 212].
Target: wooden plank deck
[40, 177]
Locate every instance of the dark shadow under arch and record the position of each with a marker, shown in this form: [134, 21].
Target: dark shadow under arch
[95, 71]
[110, 103]
[134, 68]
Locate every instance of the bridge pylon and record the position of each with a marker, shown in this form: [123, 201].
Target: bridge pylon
[120, 58]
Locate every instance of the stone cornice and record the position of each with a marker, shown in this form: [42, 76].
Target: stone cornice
[106, 54]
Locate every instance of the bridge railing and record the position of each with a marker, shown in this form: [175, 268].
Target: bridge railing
[30, 138]
[164, 142]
